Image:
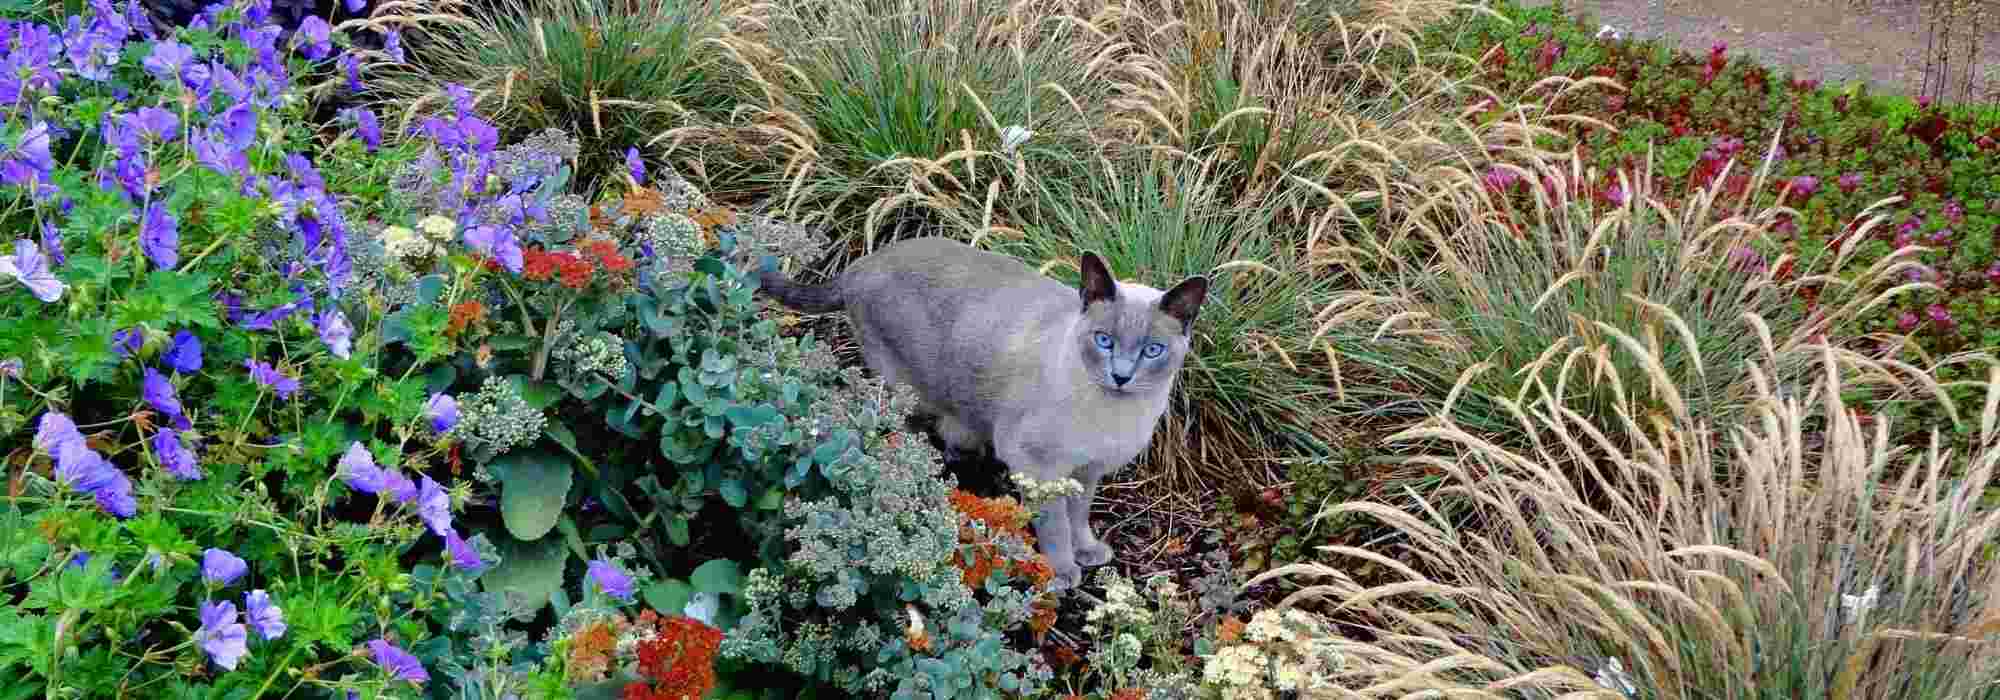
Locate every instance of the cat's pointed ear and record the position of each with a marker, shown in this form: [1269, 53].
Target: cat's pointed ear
[1183, 302]
[1098, 284]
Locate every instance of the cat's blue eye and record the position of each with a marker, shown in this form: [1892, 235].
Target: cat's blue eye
[1104, 341]
[1154, 350]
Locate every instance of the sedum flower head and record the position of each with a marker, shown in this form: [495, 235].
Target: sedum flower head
[497, 417]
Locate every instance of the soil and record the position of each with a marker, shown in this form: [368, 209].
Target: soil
[1884, 44]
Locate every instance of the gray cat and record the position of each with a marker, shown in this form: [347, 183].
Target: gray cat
[1061, 382]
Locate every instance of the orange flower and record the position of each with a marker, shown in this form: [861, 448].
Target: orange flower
[463, 315]
[679, 662]
[1002, 517]
[1229, 631]
[592, 648]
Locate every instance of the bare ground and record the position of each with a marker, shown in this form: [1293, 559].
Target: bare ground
[1885, 44]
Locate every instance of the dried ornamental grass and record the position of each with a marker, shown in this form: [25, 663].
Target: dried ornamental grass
[1825, 564]
[1519, 282]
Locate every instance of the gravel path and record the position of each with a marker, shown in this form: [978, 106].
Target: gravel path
[1884, 44]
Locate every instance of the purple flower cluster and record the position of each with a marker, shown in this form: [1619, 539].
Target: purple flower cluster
[433, 504]
[225, 639]
[83, 469]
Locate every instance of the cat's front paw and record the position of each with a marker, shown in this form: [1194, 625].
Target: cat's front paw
[1065, 578]
[1093, 553]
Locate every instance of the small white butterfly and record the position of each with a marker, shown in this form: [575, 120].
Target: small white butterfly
[1613, 677]
[1013, 136]
[1856, 607]
[1609, 32]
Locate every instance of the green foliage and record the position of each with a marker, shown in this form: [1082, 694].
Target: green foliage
[860, 96]
[611, 74]
[868, 599]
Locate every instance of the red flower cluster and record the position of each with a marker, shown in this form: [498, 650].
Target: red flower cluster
[679, 662]
[574, 270]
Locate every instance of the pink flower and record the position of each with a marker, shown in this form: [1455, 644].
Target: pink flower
[1993, 274]
[1954, 212]
[1500, 179]
[1943, 238]
[1905, 239]
[1850, 182]
[1746, 259]
[1919, 273]
[1805, 185]
[1923, 101]
[1615, 194]
[1551, 51]
[1907, 322]
[1940, 315]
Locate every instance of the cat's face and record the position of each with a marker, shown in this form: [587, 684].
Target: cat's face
[1134, 338]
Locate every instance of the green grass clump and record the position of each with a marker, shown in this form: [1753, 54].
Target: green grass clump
[853, 106]
[613, 73]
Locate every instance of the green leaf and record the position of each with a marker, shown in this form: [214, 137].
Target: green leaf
[429, 288]
[538, 395]
[717, 576]
[668, 596]
[528, 572]
[562, 436]
[734, 493]
[533, 486]
[773, 499]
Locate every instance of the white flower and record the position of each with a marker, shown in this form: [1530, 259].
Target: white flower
[437, 226]
[1856, 607]
[1013, 136]
[1613, 677]
[1609, 32]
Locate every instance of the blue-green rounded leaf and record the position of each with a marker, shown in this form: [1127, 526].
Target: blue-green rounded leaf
[533, 486]
[717, 576]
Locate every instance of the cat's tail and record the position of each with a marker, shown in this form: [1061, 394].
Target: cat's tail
[812, 299]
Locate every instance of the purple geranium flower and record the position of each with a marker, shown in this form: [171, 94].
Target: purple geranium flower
[350, 65]
[367, 127]
[174, 456]
[280, 383]
[54, 431]
[127, 341]
[335, 332]
[159, 235]
[238, 126]
[443, 412]
[635, 165]
[225, 639]
[392, 44]
[400, 487]
[154, 123]
[434, 506]
[356, 6]
[160, 394]
[463, 555]
[167, 59]
[265, 616]
[315, 38]
[220, 568]
[610, 579]
[496, 243]
[358, 469]
[30, 268]
[400, 664]
[86, 472]
[183, 355]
